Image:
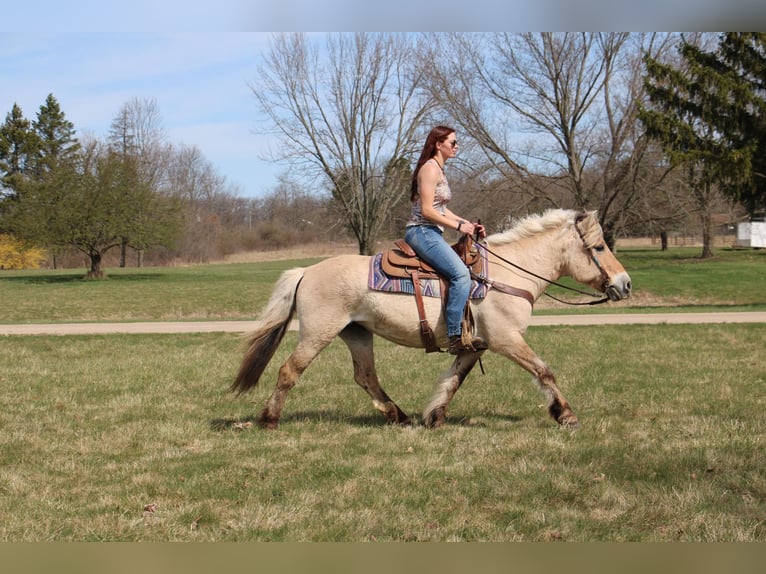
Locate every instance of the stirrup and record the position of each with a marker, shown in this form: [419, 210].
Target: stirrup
[456, 345]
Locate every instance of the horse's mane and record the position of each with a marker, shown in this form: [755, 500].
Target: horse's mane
[535, 224]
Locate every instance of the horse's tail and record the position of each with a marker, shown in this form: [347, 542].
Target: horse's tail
[274, 321]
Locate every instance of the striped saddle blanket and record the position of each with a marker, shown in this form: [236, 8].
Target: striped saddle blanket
[378, 280]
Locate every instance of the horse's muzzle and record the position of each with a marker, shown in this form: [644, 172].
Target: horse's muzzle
[619, 288]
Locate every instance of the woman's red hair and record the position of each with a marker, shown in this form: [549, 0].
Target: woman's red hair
[436, 135]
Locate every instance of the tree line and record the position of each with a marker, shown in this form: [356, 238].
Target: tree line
[131, 192]
[545, 120]
[657, 131]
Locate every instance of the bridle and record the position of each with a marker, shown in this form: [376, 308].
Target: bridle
[594, 258]
[593, 251]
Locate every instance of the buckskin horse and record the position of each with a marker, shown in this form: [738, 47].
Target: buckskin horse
[332, 298]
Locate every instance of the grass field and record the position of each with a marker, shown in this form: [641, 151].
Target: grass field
[732, 280]
[136, 438]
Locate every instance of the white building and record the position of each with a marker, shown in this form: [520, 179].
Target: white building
[751, 234]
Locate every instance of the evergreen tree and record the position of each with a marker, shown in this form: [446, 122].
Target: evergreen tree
[90, 202]
[56, 134]
[18, 146]
[713, 111]
[696, 113]
[741, 56]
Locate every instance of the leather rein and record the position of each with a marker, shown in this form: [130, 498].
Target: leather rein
[508, 289]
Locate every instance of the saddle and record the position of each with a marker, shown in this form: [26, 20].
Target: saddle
[403, 262]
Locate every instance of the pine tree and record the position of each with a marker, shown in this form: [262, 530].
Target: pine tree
[742, 55]
[18, 146]
[704, 113]
[56, 138]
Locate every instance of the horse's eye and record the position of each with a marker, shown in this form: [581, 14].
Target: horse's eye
[600, 247]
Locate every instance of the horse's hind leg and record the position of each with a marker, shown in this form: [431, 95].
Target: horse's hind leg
[360, 343]
[289, 372]
[435, 414]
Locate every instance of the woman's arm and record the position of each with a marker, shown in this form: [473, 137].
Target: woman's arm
[428, 178]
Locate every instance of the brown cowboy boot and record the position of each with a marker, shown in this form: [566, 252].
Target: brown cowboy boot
[456, 345]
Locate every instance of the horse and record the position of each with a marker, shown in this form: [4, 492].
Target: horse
[332, 299]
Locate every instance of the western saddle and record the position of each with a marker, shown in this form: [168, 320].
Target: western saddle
[402, 262]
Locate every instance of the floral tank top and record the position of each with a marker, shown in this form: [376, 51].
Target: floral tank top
[442, 196]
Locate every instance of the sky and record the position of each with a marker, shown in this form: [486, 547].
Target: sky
[198, 58]
[199, 81]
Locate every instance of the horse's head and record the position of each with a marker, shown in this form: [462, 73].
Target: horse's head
[593, 263]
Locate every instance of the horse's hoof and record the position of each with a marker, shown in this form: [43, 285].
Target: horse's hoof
[393, 414]
[268, 423]
[569, 422]
[436, 418]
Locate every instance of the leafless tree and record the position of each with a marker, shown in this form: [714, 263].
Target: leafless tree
[554, 113]
[136, 132]
[193, 179]
[349, 114]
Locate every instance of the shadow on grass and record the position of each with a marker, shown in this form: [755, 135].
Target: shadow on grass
[79, 277]
[44, 279]
[371, 420]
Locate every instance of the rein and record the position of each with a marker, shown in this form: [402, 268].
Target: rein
[549, 281]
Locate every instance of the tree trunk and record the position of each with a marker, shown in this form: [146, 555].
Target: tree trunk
[609, 235]
[123, 250]
[95, 271]
[707, 227]
[707, 238]
[664, 240]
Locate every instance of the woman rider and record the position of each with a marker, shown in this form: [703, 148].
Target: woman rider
[430, 194]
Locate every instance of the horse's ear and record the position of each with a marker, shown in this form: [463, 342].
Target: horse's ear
[591, 226]
[583, 215]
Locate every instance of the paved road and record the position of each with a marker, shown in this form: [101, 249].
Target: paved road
[244, 326]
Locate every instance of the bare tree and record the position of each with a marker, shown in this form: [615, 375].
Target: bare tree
[349, 115]
[136, 133]
[626, 163]
[553, 112]
[207, 198]
[137, 129]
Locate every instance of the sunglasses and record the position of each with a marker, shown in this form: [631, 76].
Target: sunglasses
[453, 143]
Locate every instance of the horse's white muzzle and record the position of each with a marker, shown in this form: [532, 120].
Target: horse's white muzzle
[619, 288]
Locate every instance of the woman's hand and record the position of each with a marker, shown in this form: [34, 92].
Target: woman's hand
[472, 229]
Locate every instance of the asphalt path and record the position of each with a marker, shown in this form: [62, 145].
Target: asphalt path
[152, 327]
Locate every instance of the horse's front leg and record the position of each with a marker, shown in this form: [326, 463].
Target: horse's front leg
[435, 414]
[517, 349]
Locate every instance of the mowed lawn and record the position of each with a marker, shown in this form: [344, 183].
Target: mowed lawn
[662, 281]
[137, 438]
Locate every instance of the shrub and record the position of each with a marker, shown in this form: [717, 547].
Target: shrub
[14, 254]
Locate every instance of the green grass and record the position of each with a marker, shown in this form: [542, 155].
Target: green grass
[732, 277]
[733, 280]
[678, 280]
[136, 438]
[233, 291]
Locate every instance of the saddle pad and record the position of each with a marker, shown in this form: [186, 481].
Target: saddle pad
[379, 281]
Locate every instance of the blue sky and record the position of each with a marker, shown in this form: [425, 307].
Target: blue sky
[195, 58]
[198, 80]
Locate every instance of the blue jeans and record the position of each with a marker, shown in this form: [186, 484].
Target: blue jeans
[428, 243]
